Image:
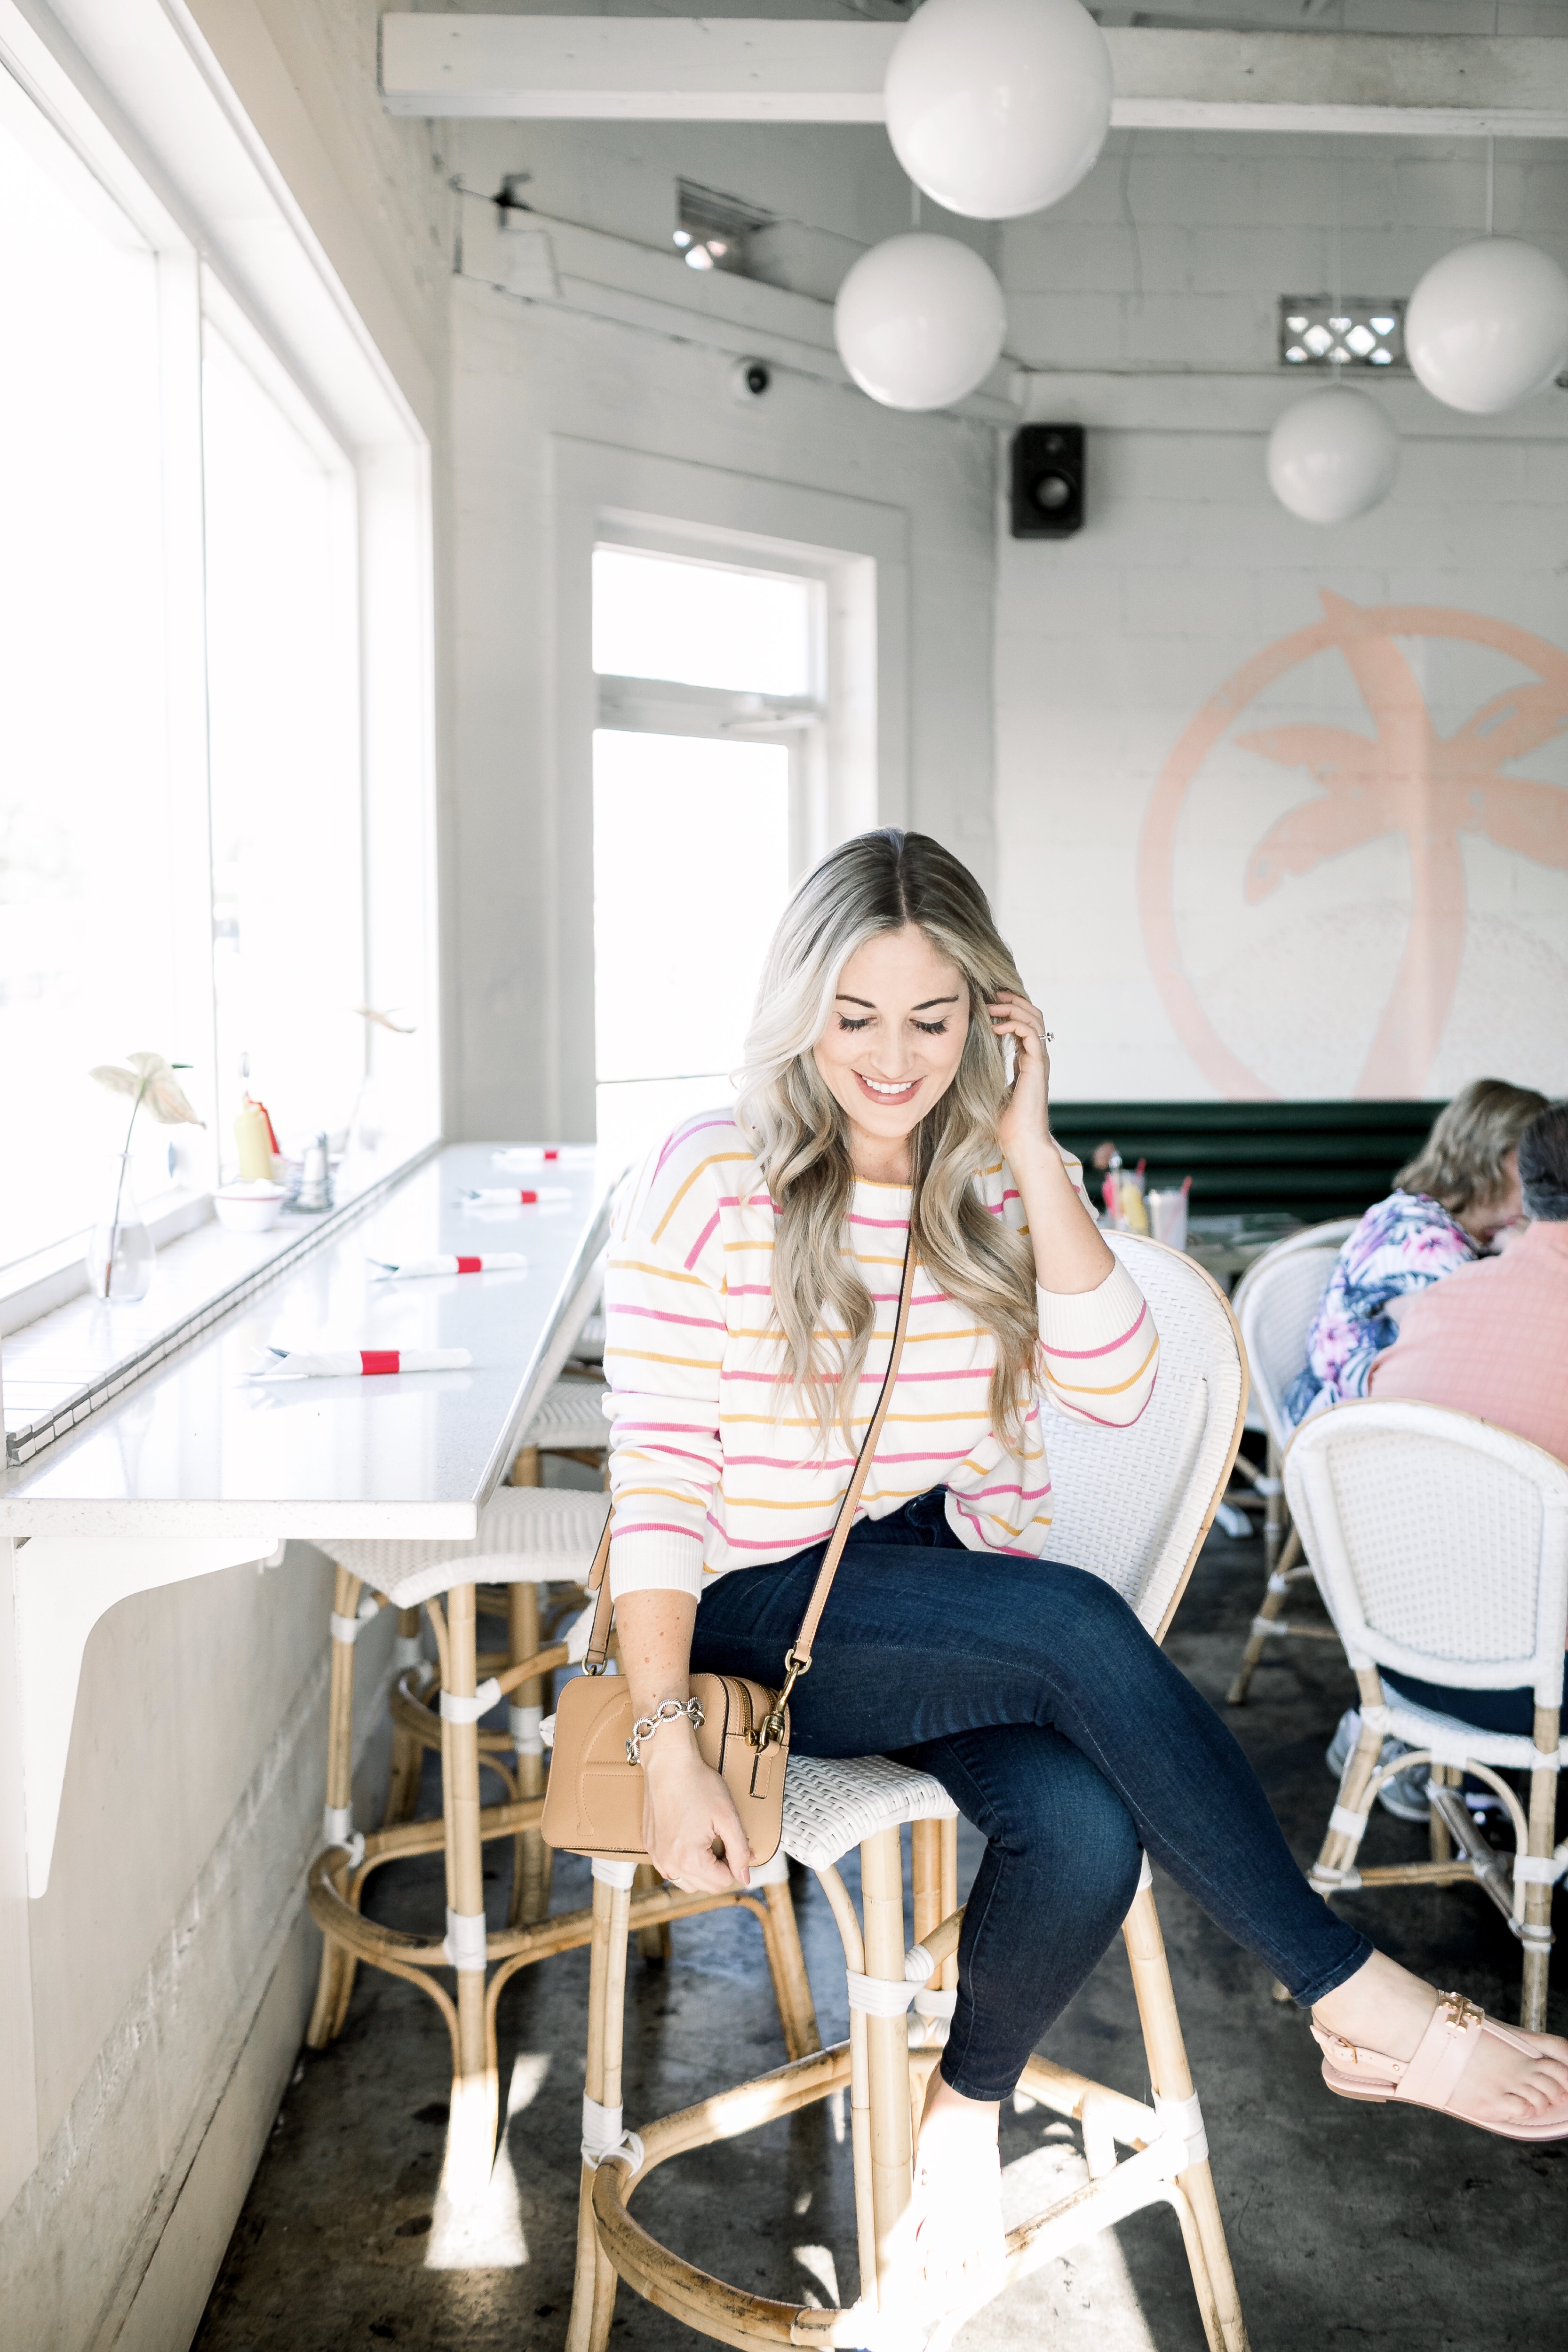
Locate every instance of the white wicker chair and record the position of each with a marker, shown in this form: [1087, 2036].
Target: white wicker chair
[1275, 1303]
[1133, 1506]
[528, 1537]
[1440, 1544]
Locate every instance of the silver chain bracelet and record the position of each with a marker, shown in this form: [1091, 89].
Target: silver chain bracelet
[669, 1710]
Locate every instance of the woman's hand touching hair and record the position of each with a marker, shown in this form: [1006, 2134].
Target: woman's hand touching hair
[1024, 1129]
[1069, 1256]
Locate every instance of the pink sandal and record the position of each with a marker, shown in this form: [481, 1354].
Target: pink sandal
[1432, 2076]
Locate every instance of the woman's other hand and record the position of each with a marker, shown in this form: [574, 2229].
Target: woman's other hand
[1024, 1129]
[690, 1828]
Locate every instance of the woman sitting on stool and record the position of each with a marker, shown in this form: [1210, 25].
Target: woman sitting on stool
[751, 1288]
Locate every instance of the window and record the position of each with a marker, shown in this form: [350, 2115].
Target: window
[198, 855]
[709, 731]
[89, 933]
[284, 751]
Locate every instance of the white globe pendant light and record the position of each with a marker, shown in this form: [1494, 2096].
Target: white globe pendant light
[1487, 325]
[920, 321]
[1332, 457]
[998, 106]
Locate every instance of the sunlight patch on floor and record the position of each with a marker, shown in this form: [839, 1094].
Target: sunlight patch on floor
[483, 2232]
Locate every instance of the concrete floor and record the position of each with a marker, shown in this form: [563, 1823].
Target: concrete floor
[1348, 2225]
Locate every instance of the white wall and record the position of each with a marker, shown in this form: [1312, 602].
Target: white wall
[529, 378]
[170, 1964]
[1147, 301]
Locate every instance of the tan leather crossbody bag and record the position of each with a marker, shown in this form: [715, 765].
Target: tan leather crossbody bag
[593, 1799]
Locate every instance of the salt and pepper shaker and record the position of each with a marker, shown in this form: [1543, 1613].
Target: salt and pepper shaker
[315, 1182]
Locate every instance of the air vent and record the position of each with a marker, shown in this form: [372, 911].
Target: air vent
[713, 230]
[1351, 330]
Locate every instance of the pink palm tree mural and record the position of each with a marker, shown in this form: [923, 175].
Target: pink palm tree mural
[1402, 777]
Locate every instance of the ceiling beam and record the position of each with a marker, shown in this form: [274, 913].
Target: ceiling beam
[758, 69]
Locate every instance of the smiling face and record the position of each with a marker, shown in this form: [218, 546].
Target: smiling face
[892, 1045]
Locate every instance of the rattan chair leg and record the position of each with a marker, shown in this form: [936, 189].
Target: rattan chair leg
[1214, 2280]
[339, 1796]
[402, 1780]
[948, 1980]
[1270, 1610]
[526, 1470]
[531, 1873]
[1338, 1848]
[594, 2285]
[1274, 1512]
[1439, 1840]
[787, 1963]
[886, 2048]
[1538, 1899]
[653, 1943]
[471, 2133]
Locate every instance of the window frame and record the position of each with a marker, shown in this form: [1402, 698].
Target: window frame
[859, 548]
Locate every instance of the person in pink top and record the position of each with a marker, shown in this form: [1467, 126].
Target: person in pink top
[1491, 1339]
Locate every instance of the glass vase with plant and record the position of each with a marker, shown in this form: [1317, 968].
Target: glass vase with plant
[120, 1257]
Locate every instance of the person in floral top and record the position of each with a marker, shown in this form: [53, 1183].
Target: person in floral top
[1446, 1210]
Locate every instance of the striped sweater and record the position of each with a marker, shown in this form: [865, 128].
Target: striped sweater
[708, 1471]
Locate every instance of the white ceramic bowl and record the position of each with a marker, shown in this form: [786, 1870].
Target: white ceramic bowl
[249, 1208]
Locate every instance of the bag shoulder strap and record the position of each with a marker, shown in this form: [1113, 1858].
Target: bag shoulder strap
[799, 1658]
[798, 1661]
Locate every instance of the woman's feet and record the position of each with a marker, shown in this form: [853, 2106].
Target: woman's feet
[957, 2242]
[1511, 2081]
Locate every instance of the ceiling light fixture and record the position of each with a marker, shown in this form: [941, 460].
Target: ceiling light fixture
[997, 108]
[1487, 325]
[919, 321]
[1332, 457]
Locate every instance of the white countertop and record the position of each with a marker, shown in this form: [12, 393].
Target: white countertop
[196, 1448]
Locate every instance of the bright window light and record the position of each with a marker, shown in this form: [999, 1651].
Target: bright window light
[88, 946]
[283, 668]
[702, 624]
[691, 875]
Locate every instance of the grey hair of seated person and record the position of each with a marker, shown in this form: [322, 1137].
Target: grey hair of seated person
[1543, 1165]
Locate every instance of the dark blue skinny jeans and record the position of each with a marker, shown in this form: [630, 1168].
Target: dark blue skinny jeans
[1062, 1731]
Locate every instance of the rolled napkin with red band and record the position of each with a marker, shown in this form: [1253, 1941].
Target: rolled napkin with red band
[494, 1262]
[355, 1363]
[545, 1192]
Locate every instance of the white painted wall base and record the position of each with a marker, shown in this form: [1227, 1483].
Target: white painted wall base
[152, 2124]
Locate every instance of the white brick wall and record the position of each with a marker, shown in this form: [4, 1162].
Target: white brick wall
[1109, 644]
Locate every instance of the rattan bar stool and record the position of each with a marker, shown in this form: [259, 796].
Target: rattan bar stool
[529, 1538]
[570, 1421]
[1276, 1303]
[529, 1535]
[828, 1809]
[1441, 1546]
[1133, 1506]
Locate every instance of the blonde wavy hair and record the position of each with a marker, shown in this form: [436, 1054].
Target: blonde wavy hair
[1461, 1162]
[878, 883]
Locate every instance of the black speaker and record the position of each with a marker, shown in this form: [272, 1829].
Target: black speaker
[1047, 481]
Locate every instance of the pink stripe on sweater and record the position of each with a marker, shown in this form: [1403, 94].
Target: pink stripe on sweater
[700, 1243]
[673, 1454]
[648, 1527]
[662, 1315]
[1081, 1354]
